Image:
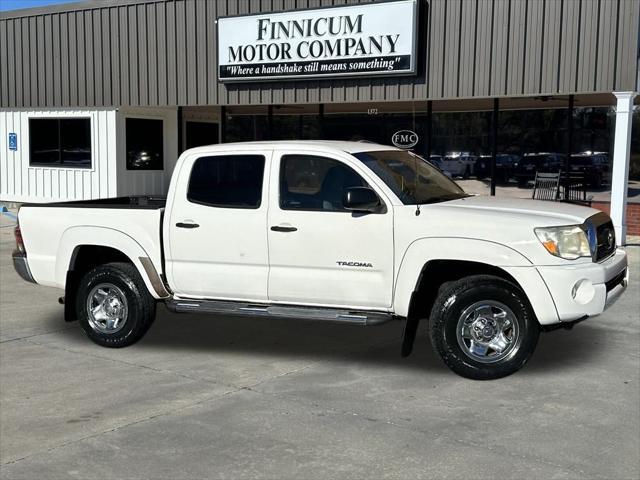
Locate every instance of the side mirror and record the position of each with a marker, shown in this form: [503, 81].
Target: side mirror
[361, 199]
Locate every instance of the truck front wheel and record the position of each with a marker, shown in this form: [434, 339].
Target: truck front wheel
[113, 305]
[482, 327]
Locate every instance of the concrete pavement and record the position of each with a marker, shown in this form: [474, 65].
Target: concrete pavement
[215, 397]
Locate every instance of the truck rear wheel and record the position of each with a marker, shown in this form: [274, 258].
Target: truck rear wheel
[482, 327]
[113, 305]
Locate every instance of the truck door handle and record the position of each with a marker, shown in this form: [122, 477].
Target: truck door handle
[277, 228]
[187, 225]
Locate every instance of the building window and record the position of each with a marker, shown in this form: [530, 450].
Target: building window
[246, 123]
[231, 181]
[308, 182]
[60, 142]
[201, 133]
[145, 139]
[593, 132]
[460, 146]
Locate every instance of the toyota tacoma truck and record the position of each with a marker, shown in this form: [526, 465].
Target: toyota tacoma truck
[346, 232]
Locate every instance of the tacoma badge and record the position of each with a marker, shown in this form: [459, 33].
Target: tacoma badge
[355, 264]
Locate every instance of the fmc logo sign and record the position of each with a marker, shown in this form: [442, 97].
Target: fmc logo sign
[405, 139]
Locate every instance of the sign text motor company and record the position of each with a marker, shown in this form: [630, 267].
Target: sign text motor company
[370, 39]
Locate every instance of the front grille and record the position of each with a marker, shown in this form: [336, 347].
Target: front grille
[606, 239]
[601, 236]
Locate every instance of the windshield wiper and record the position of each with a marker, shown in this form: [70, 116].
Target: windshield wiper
[445, 198]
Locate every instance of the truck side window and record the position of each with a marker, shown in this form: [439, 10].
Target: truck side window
[231, 181]
[309, 182]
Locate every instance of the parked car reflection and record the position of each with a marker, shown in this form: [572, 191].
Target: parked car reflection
[505, 166]
[142, 159]
[458, 164]
[436, 161]
[594, 166]
[69, 157]
[537, 162]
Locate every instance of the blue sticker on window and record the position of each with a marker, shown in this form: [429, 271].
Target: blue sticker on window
[13, 141]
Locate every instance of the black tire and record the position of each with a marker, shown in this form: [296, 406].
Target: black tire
[467, 173]
[454, 298]
[140, 305]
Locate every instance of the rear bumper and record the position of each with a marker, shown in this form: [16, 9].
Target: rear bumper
[22, 266]
[587, 289]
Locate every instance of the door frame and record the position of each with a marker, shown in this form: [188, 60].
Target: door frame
[181, 184]
[385, 194]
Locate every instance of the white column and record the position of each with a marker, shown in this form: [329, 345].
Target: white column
[621, 159]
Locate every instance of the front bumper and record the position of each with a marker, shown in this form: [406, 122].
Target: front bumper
[586, 289]
[22, 266]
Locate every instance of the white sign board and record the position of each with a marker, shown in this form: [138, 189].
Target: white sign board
[354, 40]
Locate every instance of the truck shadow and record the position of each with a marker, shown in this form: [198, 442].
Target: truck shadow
[286, 338]
[572, 349]
[558, 350]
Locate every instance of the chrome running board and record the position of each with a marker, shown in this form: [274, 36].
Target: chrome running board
[354, 317]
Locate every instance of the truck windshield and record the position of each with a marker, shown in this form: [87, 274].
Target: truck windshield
[411, 177]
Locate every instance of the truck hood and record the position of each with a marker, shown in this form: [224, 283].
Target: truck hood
[548, 212]
[505, 221]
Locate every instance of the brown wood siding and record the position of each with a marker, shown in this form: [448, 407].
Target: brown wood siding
[163, 52]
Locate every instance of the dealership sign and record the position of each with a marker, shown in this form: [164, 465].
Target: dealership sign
[405, 139]
[355, 40]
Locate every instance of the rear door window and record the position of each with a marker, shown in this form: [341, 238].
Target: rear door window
[229, 181]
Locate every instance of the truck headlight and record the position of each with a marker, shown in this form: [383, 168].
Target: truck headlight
[569, 242]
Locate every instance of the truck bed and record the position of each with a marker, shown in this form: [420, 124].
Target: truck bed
[132, 202]
[53, 231]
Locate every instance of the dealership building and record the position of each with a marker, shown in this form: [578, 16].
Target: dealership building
[99, 98]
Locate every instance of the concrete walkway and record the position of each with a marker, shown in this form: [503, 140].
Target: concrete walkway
[202, 396]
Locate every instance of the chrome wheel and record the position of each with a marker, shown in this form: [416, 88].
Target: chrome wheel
[487, 331]
[107, 308]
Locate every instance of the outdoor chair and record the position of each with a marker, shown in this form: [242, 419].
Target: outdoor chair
[574, 189]
[546, 186]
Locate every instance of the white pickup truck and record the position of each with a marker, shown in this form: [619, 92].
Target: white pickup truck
[346, 232]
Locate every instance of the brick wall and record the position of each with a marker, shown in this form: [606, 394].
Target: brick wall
[633, 215]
